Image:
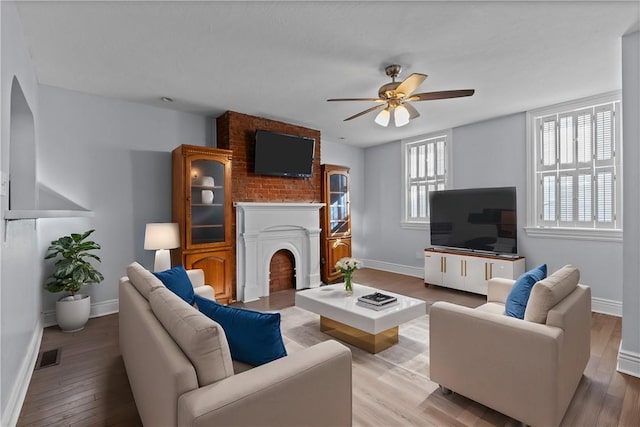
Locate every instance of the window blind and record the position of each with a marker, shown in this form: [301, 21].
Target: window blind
[577, 168]
[426, 160]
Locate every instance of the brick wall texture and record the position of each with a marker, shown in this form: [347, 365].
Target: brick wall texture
[236, 132]
[282, 271]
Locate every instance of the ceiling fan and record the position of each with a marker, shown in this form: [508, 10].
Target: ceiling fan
[396, 97]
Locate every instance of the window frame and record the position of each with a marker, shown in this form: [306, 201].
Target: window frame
[536, 226]
[410, 223]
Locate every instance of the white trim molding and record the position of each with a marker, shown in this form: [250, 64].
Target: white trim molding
[394, 268]
[19, 391]
[628, 362]
[606, 306]
[98, 309]
[600, 235]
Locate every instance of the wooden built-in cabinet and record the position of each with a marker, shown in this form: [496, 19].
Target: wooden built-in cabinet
[201, 205]
[335, 221]
[468, 272]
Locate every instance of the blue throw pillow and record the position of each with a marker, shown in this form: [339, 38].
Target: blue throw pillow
[253, 337]
[178, 282]
[517, 299]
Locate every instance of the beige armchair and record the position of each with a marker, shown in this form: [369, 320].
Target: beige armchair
[526, 369]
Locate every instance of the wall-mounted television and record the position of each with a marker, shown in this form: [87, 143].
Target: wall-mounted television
[283, 155]
[475, 219]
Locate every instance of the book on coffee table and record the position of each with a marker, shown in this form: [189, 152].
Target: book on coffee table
[377, 307]
[377, 299]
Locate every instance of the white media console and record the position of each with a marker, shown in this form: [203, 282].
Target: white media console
[468, 271]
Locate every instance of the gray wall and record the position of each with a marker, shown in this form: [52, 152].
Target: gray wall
[113, 158]
[629, 359]
[485, 154]
[339, 154]
[387, 244]
[493, 154]
[20, 272]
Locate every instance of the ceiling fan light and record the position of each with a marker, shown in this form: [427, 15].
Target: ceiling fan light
[383, 117]
[401, 115]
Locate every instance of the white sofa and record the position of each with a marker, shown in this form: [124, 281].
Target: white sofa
[527, 369]
[181, 372]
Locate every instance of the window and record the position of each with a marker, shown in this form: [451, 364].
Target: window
[425, 168]
[575, 181]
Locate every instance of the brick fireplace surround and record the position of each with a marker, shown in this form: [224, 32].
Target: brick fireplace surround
[236, 132]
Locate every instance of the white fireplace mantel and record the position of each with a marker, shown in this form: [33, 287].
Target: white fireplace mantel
[262, 229]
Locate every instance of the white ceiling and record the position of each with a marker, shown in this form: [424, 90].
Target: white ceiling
[282, 60]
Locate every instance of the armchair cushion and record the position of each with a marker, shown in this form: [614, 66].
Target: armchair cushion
[549, 292]
[177, 280]
[253, 337]
[517, 299]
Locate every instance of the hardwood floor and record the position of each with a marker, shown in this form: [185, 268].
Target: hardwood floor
[89, 386]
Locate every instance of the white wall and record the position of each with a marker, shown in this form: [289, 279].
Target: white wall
[113, 158]
[20, 290]
[629, 358]
[340, 154]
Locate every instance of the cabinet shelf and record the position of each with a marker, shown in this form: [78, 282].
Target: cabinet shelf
[205, 228]
[335, 221]
[206, 187]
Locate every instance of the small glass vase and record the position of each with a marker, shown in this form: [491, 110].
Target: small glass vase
[348, 287]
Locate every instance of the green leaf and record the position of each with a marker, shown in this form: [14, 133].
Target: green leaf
[71, 268]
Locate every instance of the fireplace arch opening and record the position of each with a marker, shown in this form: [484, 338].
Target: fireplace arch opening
[282, 271]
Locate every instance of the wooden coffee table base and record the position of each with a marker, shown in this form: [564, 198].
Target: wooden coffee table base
[373, 343]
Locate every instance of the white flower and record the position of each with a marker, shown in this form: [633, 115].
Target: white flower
[348, 265]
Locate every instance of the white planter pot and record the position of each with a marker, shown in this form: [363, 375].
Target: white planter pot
[72, 312]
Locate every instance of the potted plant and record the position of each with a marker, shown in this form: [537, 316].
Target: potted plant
[71, 272]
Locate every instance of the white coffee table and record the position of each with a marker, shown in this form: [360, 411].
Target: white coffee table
[363, 327]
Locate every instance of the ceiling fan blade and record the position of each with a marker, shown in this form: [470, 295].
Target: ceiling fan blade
[411, 83]
[428, 96]
[413, 113]
[362, 113]
[358, 99]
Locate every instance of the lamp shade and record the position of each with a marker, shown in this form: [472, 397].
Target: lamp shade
[383, 117]
[401, 115]
[161, 235]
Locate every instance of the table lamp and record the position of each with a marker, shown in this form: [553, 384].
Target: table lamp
[162, 236]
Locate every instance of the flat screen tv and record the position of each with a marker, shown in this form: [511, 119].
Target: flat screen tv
[283, 155]
[475, 219]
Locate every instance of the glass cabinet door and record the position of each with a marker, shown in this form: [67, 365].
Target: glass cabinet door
[339, 204]
[207, 196]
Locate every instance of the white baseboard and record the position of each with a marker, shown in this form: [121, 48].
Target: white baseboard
[19, 391]
[606, 306]
[97, 310]
[394, 268]
[628, 362]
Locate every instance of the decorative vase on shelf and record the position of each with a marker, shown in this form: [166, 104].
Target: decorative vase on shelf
[207, 197]
[207, 181]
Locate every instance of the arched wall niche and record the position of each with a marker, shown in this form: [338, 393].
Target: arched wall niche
[22, 152]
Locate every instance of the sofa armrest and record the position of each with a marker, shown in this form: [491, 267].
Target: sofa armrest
[196, 276]
[311, 388]
[508, 364]
[498, 289]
